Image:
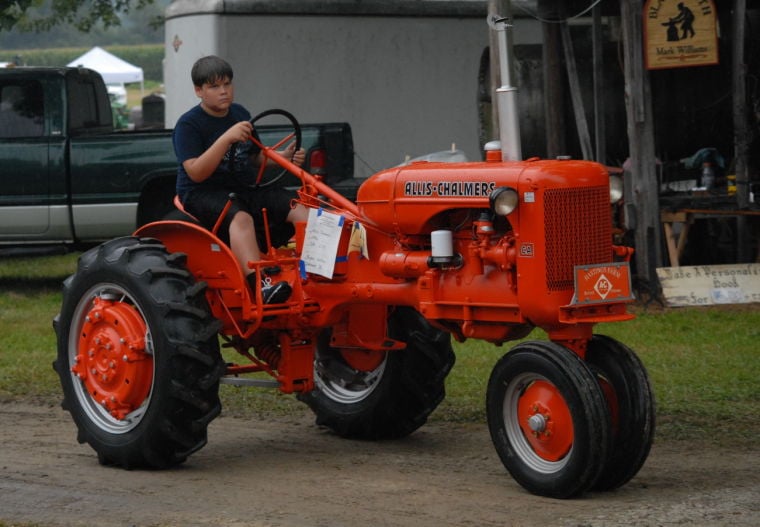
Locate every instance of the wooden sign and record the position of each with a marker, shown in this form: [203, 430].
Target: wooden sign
[706, 285]
[680, 33]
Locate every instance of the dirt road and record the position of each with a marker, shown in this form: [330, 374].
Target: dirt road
[289, 473]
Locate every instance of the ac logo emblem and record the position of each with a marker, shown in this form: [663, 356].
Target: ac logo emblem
[603, 287]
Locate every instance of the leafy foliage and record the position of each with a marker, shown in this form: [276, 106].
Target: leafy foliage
[42, 15]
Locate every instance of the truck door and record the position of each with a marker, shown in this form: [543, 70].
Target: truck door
[24, 151]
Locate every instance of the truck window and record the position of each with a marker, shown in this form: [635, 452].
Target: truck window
[88, 108]
[21, 109]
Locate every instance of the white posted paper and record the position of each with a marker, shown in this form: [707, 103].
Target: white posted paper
[320, 246]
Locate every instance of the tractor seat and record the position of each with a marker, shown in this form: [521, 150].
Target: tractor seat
[181, 214]
[181, 209]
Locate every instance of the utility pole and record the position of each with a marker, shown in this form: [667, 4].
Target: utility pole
[641, 181]
[597, 40]
[554, 100]
[741, 133]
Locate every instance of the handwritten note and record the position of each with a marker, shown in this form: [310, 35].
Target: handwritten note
[706, 285]
[320, 247]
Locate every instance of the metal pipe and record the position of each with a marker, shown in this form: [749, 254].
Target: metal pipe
[506, 94]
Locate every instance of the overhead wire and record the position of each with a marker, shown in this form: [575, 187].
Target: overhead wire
[558, 21]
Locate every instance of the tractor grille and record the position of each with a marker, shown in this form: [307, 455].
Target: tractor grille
[578, 232]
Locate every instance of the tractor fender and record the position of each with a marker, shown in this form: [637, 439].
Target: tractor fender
[208, 258]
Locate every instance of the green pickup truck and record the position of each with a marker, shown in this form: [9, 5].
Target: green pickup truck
[69, 178]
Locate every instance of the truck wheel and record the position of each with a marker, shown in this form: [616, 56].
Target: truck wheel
[392, 397]
[626, 386]
[548, 419]
[138, 355]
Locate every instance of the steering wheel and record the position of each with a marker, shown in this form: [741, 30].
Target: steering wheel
[296, 133]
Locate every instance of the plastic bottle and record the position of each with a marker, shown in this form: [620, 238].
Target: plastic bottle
[708, 176]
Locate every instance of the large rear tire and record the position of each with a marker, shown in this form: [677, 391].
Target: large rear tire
[393, 398]
[626, 386]
[548, 419]
[138, 355]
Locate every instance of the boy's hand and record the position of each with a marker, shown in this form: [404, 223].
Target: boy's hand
[238, 132]
[296, 156]
[299, 156]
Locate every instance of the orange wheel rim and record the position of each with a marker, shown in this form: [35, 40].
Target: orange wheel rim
[112, 361]
[545, 420]
[612, 402]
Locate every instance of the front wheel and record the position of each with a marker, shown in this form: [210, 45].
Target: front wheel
[548, 419]
[626, 386]
[374, 395]
[138, 356]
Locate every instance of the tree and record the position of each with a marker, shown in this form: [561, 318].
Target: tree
[41, 15]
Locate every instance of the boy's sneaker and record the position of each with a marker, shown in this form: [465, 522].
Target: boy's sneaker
[271, 293]
[276, 293]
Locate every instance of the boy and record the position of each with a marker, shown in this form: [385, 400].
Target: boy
[217, 157]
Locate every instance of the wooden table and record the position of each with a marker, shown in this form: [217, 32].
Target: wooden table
[686, 217]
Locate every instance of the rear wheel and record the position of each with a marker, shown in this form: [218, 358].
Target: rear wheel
[548, 419]
[373, 395]
[626, 387]
[138, 356]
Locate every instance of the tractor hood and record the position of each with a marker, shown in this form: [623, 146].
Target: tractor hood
[405, 199]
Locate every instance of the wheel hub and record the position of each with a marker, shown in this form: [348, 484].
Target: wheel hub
[112, 361]
[363, 360]
[545, 420]
[537, 423]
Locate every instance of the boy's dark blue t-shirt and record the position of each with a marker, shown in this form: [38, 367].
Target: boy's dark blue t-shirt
[196, 131]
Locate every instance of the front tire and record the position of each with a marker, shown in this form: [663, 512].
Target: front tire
[138, 356]
[626, 386]
[548, 419]
[393, 398]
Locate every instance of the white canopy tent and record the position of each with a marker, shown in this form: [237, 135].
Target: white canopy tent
[113, 69]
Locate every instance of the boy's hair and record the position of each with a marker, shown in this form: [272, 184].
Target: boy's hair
[210, 69]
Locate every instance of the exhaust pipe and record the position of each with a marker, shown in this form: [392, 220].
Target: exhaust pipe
[506, 94]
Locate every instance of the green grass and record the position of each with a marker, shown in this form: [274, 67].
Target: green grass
[705, 368]
[704, 362]
[29, 299]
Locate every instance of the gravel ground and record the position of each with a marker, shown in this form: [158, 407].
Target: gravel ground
[289, 473]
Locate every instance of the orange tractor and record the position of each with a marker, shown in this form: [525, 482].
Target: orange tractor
[480, 250]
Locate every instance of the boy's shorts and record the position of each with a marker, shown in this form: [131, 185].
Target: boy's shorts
[207, 203]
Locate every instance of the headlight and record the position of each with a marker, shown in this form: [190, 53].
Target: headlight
[503, 200]
[616, 189]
